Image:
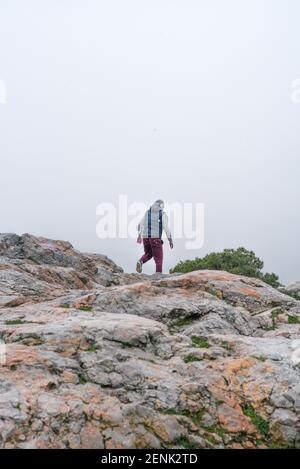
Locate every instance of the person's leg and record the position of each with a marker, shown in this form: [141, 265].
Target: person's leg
[147, 251]
[157, 251]
[146, 256]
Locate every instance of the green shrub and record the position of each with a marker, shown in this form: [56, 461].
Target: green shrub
[238, 261]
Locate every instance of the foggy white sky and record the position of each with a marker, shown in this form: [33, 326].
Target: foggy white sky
[185, 100]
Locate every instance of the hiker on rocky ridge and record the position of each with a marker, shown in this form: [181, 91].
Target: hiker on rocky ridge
[150, 230]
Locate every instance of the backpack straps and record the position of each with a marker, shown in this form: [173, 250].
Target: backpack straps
[160, 224]
[149, 223]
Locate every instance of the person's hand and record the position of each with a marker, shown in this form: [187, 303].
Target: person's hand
[139, 239]
[171, 243]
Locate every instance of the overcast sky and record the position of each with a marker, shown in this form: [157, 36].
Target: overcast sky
[185, 100]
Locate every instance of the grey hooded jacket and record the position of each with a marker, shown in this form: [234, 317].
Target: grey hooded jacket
[154, 222]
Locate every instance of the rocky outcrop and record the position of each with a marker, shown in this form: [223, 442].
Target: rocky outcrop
[292, 290]
[97, 358]
[34, 269]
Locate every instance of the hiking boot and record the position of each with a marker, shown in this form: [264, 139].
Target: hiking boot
[139, 267]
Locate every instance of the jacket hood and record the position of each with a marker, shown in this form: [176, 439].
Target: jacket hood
[157, 206]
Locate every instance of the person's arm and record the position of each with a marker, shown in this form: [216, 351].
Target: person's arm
[140, 230]
[165, 225]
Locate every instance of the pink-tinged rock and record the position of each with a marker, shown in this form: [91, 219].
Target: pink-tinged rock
[91, 437]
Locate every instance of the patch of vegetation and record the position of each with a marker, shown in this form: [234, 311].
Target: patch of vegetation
[185, 443]
[14, 322]
[185, 321]
[211, 439]
[295, 295]
[217, 429]
[82, 379]
[227, 346]
[236, 261]
[85, 308]
[271, 279]
[200, 342]
[269, 328]
[258, 442]
[126, 345]
[259, 422]
[196, 416]
[64, 419]
[281, 445]
[64, 305]
[274, 315]
[92, 348]
[191, 358]
[217, 293]
[293, 319]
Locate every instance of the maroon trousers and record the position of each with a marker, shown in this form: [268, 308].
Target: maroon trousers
[153, 247]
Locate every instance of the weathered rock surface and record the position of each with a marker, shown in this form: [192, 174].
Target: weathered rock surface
[97, 358]
[293, 290]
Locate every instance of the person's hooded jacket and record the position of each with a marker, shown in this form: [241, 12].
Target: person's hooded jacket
[154, 222]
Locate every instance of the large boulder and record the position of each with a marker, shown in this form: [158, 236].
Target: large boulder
[34, 268]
